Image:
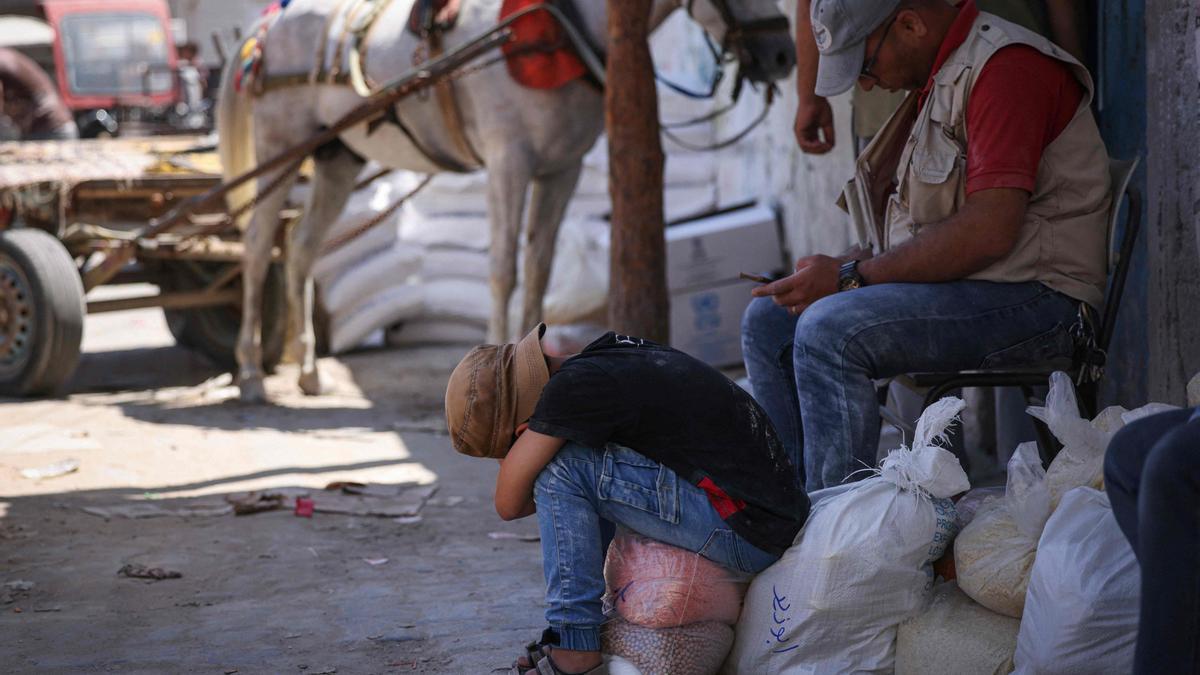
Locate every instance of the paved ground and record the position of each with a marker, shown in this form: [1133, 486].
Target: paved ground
[156, 428]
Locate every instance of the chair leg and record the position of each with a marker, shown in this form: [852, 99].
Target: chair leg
[1086, 395]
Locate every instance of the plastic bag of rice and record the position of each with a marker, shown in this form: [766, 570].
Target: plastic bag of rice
[956, 636]
[694, 649]
[994, 554]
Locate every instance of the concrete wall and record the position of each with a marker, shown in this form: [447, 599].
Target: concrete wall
[1173, 195]
[766, 165]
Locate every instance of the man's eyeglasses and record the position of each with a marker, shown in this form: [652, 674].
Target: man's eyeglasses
[869, 64]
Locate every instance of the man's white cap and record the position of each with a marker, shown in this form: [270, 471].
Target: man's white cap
[840, 28]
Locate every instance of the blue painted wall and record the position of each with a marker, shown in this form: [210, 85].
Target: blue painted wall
[1120, 70]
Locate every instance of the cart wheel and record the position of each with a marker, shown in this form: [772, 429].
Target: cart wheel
[213, 331]
[41, 313]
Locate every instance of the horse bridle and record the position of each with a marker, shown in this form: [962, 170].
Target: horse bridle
[737, 33]
[737, 30]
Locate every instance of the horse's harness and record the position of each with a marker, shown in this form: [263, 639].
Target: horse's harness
[431, 19]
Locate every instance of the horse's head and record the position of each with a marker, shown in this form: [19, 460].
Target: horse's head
[754, 31]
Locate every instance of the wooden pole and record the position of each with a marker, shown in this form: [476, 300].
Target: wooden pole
[637, 303]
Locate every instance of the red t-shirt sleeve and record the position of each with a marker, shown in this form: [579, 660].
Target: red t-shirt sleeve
[1021, 102]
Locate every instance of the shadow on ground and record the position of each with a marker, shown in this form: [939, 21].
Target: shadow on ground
[270, 592]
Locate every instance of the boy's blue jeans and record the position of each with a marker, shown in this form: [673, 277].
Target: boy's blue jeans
[583, 485]
[814, 374]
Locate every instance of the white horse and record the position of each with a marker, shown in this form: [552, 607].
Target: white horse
[524, 137]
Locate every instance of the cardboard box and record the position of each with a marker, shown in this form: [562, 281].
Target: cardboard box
[704, 258]
[713, 250]
[706, 322]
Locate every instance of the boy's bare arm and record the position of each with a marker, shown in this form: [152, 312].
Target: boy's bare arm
[514, 486]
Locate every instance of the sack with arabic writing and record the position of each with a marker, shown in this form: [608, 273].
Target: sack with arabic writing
[657, 585]
[861, 565]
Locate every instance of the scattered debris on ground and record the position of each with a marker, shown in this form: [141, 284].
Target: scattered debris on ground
[51, 470]
[136, 571]
[255, 502]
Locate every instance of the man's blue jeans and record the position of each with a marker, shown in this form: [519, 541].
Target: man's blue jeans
[813, 375]
[583, 485]
[1152, 476]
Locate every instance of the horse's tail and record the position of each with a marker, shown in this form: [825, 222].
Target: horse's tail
[235, 138]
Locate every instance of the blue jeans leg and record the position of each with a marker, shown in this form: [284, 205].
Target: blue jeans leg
[583, 486]
[843, 342]
[1152, 475]
[767, 335]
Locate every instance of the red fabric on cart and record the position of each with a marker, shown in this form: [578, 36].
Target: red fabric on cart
[528, 63]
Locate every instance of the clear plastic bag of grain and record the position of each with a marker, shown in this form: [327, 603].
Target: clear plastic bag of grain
[657, 585]
[694, 649]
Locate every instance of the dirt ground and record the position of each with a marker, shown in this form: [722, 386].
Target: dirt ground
[443, 587]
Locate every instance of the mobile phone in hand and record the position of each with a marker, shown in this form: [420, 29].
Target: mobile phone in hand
[755, 277]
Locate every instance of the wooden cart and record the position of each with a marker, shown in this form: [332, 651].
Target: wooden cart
[65, 206]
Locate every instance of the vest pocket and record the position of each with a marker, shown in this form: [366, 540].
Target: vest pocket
[936, 177]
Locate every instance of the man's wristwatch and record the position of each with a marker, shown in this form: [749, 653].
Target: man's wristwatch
[849, 278]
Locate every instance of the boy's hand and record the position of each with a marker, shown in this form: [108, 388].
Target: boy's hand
[518, 471]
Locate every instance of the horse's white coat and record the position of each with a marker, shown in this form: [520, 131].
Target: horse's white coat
[527, 138]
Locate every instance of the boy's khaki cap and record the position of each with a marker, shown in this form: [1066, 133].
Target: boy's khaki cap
[493, 390]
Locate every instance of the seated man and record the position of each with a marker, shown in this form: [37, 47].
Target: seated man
[626, 432]
[1152, 476]
[993, 235]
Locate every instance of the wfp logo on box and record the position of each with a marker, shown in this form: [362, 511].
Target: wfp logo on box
[706, 314]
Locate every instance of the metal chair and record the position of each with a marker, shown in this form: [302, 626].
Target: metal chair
[1086, 367]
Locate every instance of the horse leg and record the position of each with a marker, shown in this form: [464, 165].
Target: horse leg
[508, 178]
[258, 241]
[548, 202]
[336, 171]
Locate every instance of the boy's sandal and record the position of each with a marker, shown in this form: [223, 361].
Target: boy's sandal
[538, 655]
[534, 652]
[545, 666]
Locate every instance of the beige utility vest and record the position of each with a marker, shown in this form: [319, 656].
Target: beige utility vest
[1064, 238]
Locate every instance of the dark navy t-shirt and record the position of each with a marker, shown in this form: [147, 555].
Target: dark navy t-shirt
[686, 415]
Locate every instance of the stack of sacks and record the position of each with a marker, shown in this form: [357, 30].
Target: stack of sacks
[362, 283]
[860, 567]
[1081, 612]
[671, 610]
[995, 553]
[955, 636]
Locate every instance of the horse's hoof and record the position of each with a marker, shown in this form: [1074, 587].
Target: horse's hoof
[252, 391]
[312, 384]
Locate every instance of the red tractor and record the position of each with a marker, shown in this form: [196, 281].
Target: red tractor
[113, 61]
